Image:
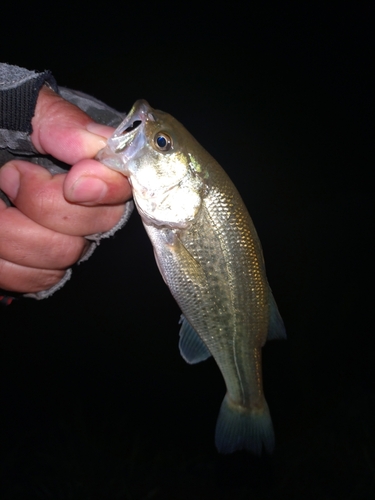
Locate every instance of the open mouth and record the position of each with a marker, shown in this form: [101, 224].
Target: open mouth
[129, 128]
[133, 126]
[127, 139]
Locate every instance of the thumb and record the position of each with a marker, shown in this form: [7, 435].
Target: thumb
[64, 131]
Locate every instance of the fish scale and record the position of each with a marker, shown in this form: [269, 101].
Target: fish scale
[210, 256]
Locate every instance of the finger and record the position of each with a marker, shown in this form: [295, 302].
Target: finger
[39, 195]
[64, 131]
[90, 182]
[16, 278]
[24, 242]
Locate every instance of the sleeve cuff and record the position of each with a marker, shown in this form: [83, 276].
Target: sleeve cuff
[19, 93]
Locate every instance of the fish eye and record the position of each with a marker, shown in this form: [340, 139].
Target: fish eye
[163, 141]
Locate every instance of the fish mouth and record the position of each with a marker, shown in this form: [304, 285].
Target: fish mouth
[128, 138]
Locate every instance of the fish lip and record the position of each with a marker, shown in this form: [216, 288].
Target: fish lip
[127, 139]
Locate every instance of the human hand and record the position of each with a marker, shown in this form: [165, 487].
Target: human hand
[43, 233]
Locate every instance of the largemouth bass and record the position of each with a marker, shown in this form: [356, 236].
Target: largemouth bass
[209, 255]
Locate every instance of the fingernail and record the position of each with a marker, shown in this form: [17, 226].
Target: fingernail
[87, 189]
[10, 181]
[98, 129]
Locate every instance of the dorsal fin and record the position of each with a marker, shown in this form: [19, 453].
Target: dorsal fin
[276, 328]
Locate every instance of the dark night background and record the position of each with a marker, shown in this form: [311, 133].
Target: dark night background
[96, 402]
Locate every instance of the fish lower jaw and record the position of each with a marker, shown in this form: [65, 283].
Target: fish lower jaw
[114, 162]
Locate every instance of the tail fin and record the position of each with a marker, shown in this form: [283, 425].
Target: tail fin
[239, 428]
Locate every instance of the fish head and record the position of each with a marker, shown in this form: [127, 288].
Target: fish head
[154, 151]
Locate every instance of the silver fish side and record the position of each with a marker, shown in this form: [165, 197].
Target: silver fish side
[213, 265]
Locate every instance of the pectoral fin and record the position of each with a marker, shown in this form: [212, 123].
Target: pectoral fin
[192, 347]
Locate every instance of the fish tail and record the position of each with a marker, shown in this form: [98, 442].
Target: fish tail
[240, 428]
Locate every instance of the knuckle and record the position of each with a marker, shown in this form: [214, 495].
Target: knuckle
[16, 278]
[66, 250]
[46, 279]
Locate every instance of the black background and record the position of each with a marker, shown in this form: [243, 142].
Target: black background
[96, 401]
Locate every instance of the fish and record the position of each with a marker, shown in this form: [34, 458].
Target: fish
[209, 255]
